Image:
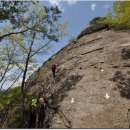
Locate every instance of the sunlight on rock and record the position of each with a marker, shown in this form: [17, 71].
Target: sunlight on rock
[107, 96]
[127, 44]
[102, 70]
[72, 100]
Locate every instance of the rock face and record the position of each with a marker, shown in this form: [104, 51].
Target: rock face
[92, 87]
[93, 28]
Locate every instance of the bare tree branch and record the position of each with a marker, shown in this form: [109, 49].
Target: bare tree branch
[6, 35]
[40, 48]
[4, 81]
[11, 84]
[2, 77]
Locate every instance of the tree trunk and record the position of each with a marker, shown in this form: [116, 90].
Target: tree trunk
[23, 81]
[22, 95]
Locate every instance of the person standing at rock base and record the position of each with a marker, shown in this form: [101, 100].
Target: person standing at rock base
[41, 111]
[33, 111]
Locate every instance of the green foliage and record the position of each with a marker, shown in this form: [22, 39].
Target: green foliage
[95, 20]
[10, 102]
[38, 27]
[11, 97]
[14, 120]
[118, 17]
[41, 25]
[72, 39]
[29, 98]
[13, 11]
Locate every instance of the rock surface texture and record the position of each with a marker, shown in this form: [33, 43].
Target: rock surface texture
[92, 87]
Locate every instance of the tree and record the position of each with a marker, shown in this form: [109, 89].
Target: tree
[7, 103]
[43, 28]
[12, 12]
[8, 72]
[11, 15]
[36, 29]
[118, 17]
[12, 21]
[11, 66]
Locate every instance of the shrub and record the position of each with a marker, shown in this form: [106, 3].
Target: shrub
[72, 39]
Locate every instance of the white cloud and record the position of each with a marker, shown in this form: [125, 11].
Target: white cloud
[61, 8]
[71, 2]
[93, 6]
[58, 3]
[54, 2]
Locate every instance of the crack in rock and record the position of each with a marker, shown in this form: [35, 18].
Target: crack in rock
[65, 120]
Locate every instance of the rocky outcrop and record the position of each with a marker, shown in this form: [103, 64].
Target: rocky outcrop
[92, 29]
[92, 87]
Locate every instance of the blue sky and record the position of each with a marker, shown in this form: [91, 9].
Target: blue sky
[77, 14]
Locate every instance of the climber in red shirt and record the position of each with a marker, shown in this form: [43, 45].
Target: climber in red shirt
[54, 67]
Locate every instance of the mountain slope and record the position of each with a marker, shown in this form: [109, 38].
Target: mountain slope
[95, 66]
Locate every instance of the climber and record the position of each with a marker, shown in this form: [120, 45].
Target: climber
[54, 67]
[33, 110]
[41, 111]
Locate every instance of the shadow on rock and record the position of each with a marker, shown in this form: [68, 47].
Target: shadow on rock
[123, 83]
[125, 53]
[68, 85]
[60, 94]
